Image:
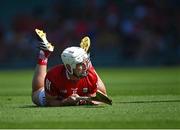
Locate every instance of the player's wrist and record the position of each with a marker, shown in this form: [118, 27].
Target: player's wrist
[70, 101]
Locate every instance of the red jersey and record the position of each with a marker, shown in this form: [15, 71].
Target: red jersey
[58, 84]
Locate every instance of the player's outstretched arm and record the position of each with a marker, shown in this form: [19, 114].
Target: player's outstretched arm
[100, 85]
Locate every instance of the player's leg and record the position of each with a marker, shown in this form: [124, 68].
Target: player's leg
[39, 76]
[40, 71]
[38, 83]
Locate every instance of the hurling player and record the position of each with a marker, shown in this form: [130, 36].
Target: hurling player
[63, 84]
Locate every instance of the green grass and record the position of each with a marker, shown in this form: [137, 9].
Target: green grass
[142, 98]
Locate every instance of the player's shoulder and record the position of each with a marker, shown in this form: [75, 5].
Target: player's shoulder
[57, 67]
[56, 70]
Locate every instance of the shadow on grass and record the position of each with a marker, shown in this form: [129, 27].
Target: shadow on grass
[29, 106]
[150, 101]
[83, 106]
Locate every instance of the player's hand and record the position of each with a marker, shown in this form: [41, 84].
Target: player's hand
[81, 101]
[71, 100]
[75, 100]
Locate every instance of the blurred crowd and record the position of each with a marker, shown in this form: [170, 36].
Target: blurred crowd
[122, 32]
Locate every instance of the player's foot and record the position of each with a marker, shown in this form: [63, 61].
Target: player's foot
[45, 48]
[44, 45]
[85, 43]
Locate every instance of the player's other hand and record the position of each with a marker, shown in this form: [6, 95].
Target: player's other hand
[71, 100]
[75, 100]
[79, 100]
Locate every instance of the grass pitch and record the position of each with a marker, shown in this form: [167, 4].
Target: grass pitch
[142, 98]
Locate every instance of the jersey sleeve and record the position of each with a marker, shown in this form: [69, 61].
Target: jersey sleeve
[50, 86]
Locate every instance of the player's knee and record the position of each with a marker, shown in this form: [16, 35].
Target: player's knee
[38, 97]
[34, 98]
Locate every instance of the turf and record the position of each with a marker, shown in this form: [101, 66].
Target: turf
[142, 98]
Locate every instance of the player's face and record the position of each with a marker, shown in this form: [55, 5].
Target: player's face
[82, 68]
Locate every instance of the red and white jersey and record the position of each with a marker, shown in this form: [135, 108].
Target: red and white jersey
[58, 84]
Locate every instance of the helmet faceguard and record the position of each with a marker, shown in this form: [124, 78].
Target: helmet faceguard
[82, 68]
[77, 59]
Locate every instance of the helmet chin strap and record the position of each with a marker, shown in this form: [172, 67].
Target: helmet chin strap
[75, 75]
[80, 76]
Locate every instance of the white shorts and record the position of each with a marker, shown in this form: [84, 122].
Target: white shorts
[38, 97]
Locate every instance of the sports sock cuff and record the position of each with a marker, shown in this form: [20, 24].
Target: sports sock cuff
[42, 61]
[42, 58]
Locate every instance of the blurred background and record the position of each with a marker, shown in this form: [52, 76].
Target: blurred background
[135, 48]
[125, 33]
